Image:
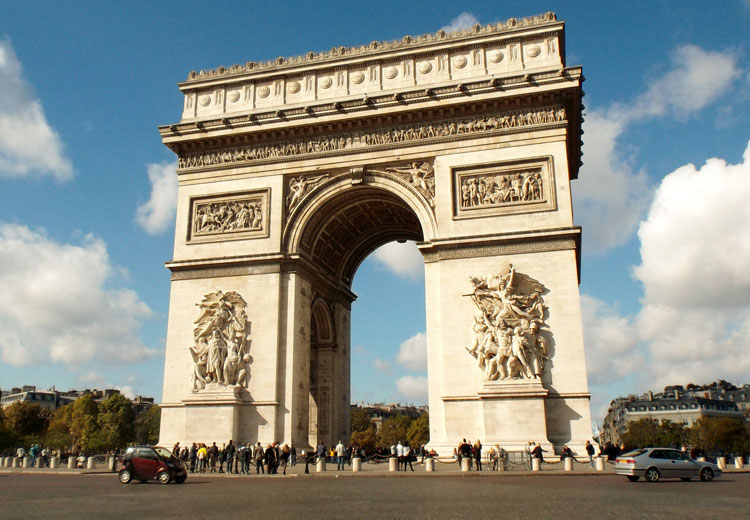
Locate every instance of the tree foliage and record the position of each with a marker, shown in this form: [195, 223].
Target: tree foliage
[646, 433]
[25, 419]
[367, 439]
[360, 420]
[116, 423]
[394, 430]
[84, 421]
[418, 433]
[147, 426]
[720, 434]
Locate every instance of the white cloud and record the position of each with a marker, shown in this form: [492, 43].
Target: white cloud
[28, 144]
[610, 341]
[403, 259]
[57, 304]
[384, 367]
[461, 22]
[695, 249]
[158, 214]
[613, 193]
[413, 389]
[412, 353]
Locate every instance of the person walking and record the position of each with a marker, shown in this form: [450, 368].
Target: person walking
[284, 458]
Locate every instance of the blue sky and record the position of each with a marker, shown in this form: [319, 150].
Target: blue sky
[83, 86]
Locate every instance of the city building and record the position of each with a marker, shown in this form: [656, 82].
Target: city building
[684, 405]
[53, 399]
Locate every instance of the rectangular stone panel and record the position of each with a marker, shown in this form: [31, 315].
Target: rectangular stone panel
[502, 188]
[229, 216]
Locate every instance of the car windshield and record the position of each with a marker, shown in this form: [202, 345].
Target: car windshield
[634, 453]
[163, 452]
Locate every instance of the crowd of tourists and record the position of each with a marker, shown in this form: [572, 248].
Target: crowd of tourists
[240, 459]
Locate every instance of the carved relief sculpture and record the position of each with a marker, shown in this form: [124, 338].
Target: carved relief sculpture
[497, 190]
[507, 340]
[421, 175]
[221, 343]
[299, 187]
[355, 141]
[228, 216]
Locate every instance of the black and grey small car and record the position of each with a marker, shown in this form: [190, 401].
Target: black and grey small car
[656, 463]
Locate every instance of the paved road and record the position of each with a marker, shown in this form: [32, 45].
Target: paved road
[80, 497]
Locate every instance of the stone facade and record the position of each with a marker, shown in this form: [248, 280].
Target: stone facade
[292, 172]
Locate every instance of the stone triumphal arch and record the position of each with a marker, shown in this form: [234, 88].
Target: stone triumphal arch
[291, 172]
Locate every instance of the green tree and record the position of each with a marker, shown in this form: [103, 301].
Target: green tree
[25, 419]
[147, 426]
[58, 432]
[360, 420]
[646, 433]
[418, 433]
[367, 439]
[715, 434]
[84, 421]
[394, 430]
[116, 422]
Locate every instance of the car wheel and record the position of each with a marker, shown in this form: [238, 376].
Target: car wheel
[685, 479]
[633, 478]
[707, 475]
[181, 480]
[652, 474]
[125, 476]
[163, 477]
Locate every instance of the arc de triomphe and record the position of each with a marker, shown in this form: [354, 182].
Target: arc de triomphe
[291, 172]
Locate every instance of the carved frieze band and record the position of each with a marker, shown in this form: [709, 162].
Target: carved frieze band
[513, 248]
[503, 188]
[229, 217]
[439, 131]
[218, 272]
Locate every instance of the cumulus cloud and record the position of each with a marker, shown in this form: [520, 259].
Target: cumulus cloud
[413, 389]
[384, 367]
[28, 144]
[402, 259]
[412, 353]
[58, 305]
[695, 249]
[158, 214]
[611, 342]
[461, 22]
[613, 194]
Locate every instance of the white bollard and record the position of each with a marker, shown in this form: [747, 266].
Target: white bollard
[111, 463]
[701, 459]
[599, 462]
[53, 463]
[393, 464]
[536, 464]
[71, 462]
[739, 462]
[568, 464]
[321, 465]
[6, 462]
[356, 464]
[429, 465]
[465, 464]
[27, 462]
[721, 462]
[91, 463]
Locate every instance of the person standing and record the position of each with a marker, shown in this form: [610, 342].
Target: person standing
[478, 455]
[284, 458]
[229, 456]
[340, 453]
[202, 455]
[400, 456]
[258, 457]
[590, 451]
[407, 457]
[292, 456]
[193, 457]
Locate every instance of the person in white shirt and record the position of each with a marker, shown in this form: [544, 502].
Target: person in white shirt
[340, 452]
[400, 455]
[407, 457]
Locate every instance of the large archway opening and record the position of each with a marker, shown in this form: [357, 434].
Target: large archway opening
[345, 228]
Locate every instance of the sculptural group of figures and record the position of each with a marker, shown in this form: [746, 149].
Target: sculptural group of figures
[421, 175]
[220, 349]
[494, 190]
[381, 136]
[233, 215]
[507, 329]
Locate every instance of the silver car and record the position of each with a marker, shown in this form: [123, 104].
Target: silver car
[656, 463]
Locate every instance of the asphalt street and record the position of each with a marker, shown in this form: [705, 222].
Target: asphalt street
[412, 496]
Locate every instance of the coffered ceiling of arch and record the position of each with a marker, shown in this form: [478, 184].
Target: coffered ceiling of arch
[349, 227]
